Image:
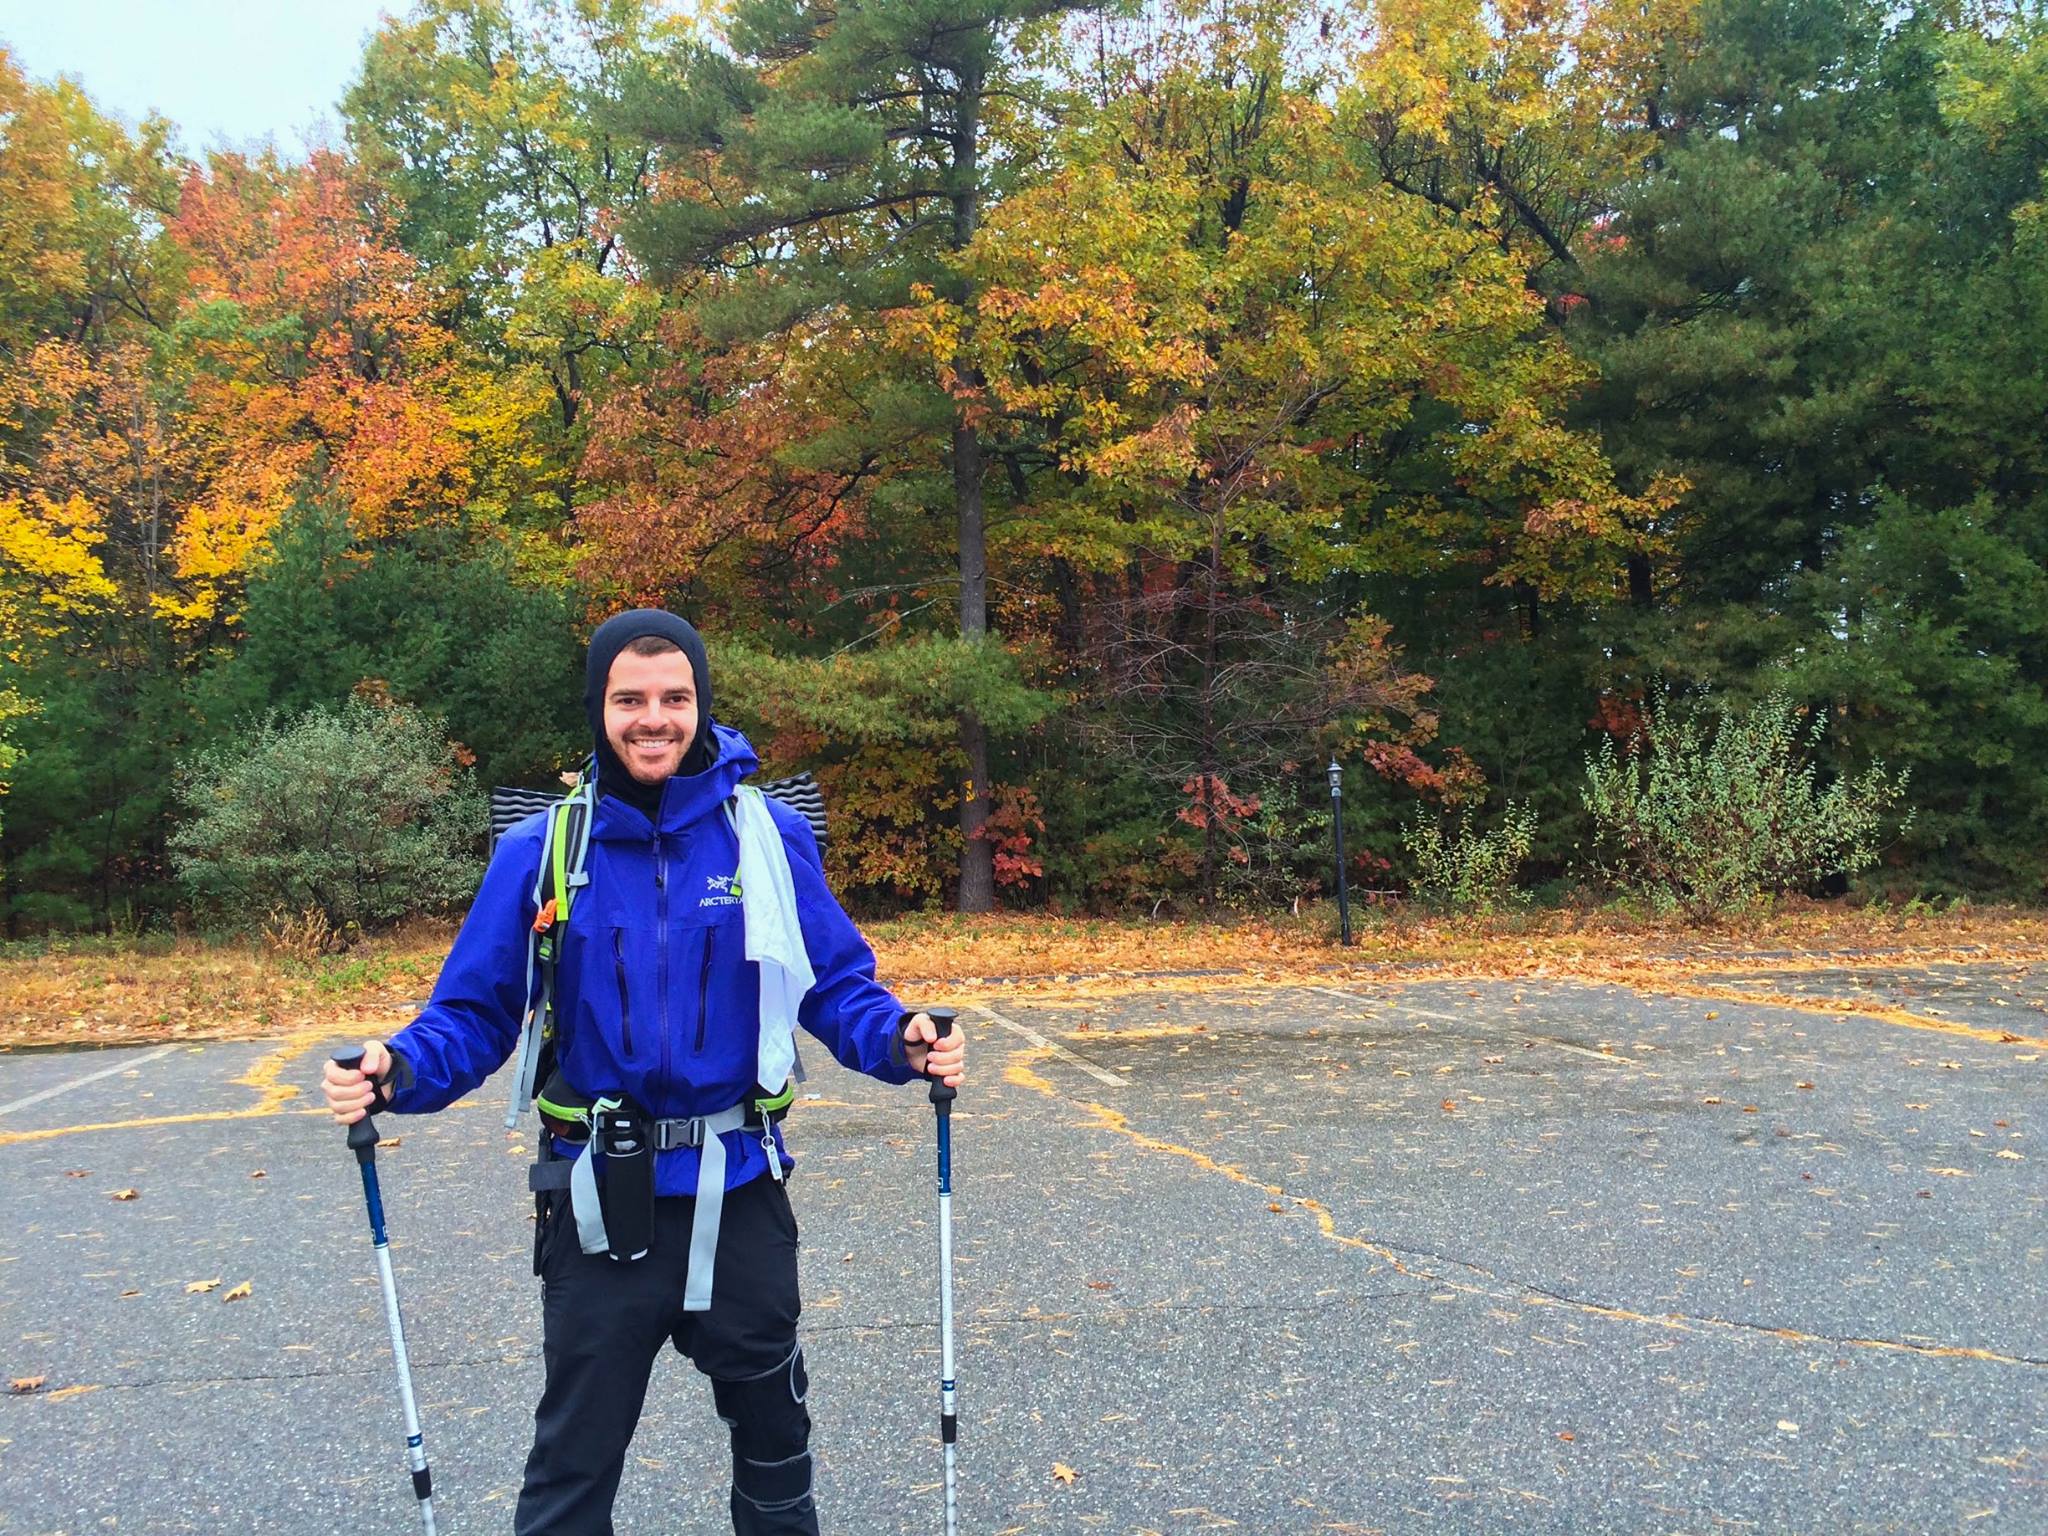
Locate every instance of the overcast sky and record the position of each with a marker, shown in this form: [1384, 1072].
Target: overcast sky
[228, 72]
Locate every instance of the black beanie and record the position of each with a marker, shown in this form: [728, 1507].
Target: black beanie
[612, 637]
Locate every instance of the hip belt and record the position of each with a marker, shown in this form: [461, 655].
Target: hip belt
[617, 1219]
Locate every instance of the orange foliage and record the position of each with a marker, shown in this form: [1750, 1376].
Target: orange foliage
[1211, 800]
[315, 358]
[1014, 826]
[98, 434]
[697, 485]
[1458, 781]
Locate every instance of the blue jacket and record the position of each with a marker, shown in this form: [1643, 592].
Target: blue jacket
[654, 995]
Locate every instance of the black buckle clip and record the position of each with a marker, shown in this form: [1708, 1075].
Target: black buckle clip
[671, 1134]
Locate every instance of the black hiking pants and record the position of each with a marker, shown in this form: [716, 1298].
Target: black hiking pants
[604, 1323]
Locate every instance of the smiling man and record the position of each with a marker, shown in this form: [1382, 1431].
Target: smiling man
[663, 1210]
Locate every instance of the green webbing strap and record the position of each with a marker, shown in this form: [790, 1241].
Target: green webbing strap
[564, 851]
[558, 858]
[568, 1114]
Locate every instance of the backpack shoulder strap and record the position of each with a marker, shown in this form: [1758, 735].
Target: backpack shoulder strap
[568, 849]
[564, 854]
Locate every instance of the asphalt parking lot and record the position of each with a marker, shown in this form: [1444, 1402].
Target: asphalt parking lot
[1764, 1254]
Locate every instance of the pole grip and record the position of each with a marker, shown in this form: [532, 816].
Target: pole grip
[362, 1136]
[942, 1019]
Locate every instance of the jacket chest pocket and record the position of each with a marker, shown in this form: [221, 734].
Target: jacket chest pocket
[711, 987]
[706, 938]
[625, 990]
[629, 975]
[618, 996]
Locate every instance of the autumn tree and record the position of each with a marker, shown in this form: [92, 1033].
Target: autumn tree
[82, 194]
[488, 121]
[88, 485]
[1253, 370]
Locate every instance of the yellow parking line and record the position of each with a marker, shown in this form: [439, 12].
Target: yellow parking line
[262, 1075]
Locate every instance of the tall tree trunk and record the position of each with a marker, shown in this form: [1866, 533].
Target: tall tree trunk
[10, 850]
[977, 856]
[1639, 591]
[1209, 768]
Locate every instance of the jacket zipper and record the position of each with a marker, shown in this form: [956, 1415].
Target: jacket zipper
[661, 941]
[625, 1008]
[704, 990]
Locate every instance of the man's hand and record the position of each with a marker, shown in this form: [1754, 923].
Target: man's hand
[350, 1094]
[947, 1061]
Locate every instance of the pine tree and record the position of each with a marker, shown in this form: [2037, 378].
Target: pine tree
[832, 161]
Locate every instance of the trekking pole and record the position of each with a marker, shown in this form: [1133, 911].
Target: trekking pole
[362, 1139]
[949, 1420]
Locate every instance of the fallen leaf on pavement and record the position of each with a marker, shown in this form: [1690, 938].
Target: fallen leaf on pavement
[124, 1194]
[239, 1293]
[26, 1383]
[1062, 1473]
[201, 1287]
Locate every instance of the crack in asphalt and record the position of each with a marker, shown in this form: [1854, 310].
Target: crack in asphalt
[1118, 1122]
[1682, 1322]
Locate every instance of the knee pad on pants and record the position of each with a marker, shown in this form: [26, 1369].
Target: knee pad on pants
[771, 1434]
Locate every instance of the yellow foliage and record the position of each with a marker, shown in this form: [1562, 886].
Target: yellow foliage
[50, 569]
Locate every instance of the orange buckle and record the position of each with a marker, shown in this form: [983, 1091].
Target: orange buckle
[545, 918]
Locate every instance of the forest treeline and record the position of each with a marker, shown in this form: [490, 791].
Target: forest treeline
[1072, 426]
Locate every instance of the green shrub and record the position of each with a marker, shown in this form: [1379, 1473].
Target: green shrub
[353, 817]
[1707, 824]
[1469, 870]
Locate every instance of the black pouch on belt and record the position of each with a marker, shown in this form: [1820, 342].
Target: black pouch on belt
[626, 1137]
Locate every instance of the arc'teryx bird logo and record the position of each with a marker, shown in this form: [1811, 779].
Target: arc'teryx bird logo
[720, 890]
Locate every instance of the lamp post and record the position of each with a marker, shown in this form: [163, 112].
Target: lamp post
[1337, 828]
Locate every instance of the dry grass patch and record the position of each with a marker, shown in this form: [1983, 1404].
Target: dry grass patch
[97, 992]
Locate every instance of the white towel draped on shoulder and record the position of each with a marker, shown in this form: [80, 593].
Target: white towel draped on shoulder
[775, 938]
